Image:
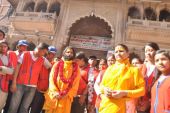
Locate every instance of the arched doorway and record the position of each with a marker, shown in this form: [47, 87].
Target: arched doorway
[134, 12]
[55, 8]
[42, 7]
[29, 7]
[164, 15]
[150, 14]
[92, 35]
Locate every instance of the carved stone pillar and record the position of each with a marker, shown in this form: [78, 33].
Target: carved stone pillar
[49, 5]
[36, 4]
[157, 12]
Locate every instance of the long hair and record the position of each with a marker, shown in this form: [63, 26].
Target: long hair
[154, 45]
[70, 47]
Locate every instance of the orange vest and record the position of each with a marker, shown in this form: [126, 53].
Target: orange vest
[30, 70]
[160, 96]
[14, 60]
[43, 80]
[4, 79]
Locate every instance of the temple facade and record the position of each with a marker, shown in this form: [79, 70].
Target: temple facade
[92, 26]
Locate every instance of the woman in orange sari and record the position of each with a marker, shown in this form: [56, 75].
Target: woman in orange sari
[120, 82]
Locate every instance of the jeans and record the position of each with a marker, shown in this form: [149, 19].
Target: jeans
[38, 102]
[97, 110]
[2, 99]
[23, 95]
[8, 98]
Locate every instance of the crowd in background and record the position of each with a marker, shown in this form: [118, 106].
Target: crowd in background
[37, 82]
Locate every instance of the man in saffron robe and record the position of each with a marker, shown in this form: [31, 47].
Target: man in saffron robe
[120, 81]
[63, 84]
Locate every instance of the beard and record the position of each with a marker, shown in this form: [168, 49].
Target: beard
[68, 58]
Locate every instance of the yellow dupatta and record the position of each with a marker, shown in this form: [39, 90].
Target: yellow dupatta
[119, 76]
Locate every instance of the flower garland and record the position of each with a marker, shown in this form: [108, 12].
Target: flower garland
[59, 72]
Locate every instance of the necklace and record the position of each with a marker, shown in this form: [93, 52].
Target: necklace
[59, 72]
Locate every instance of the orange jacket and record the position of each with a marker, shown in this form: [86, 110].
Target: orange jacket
[43, 80]
[4, 79]
[29, 70]
[163, 94]
[13, 59]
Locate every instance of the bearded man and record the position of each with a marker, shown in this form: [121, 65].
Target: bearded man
[63, 84]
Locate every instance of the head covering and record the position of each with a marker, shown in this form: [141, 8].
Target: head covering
[22, 42]
[52, 49]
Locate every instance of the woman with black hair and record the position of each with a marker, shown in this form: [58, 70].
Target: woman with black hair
[120, 82]
[149, 71]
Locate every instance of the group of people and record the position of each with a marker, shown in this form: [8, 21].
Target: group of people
[36, 82]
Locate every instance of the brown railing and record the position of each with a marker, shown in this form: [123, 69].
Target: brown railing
[149, 23]
[35, 16]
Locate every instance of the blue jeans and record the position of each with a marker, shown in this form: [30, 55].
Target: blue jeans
[97, 110]
[23, 97]
[2, 99]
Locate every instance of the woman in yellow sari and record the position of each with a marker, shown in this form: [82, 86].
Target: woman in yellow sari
[120, 82]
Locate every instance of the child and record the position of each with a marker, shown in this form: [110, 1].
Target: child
[102, 69]
[149, 71]
[160, 93]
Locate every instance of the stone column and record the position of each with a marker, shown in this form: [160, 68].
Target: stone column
[36, 4]
[49, 5]
[121, 22]
[61, 36]
[157, 12]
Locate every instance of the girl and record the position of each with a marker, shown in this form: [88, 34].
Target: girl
[149, 71]
[160, 95]
[102, 68]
